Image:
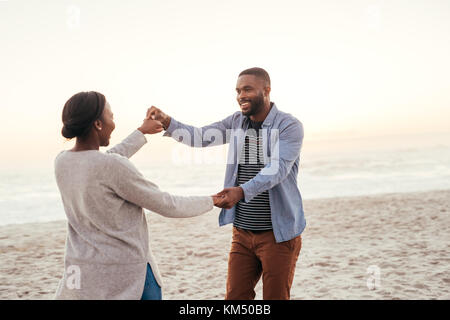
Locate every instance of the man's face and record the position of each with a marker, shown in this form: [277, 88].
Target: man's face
[250, 94]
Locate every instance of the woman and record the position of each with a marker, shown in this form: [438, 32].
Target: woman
[107, 249]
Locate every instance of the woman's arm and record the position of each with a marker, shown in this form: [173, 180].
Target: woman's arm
[129, 184]
[130, 145]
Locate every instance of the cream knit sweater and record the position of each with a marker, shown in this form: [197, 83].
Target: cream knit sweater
[107, 247]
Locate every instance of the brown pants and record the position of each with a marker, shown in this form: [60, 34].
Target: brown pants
[254, 254]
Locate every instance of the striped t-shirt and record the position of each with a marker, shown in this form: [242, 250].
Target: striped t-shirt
[254, 215]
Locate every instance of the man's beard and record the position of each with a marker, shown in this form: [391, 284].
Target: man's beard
[256, 105]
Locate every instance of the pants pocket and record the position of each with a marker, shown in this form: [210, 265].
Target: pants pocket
[293, 243]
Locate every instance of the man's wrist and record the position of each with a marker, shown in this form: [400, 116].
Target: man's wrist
[166, 123]
[241, 193]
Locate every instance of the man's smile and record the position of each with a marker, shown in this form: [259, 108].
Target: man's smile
[245, 104]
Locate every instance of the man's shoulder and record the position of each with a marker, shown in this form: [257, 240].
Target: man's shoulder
[286, 119]
[234, 119]
[236, 115]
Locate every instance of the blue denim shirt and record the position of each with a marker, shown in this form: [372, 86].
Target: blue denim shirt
[282, 141]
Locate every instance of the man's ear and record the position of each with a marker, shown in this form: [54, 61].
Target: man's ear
[98, 124]
[267, 91]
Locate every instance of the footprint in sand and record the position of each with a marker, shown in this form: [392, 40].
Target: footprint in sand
[420, 286]
[322, 264]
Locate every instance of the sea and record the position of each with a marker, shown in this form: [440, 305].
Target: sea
[328, 168]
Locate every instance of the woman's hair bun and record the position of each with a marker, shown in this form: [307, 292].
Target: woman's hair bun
[67, 133]
[80, 113]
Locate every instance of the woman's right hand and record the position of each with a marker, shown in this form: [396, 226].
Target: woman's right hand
[217, 200]
[150, 126]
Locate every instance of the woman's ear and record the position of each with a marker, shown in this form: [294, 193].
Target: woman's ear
[98, 125]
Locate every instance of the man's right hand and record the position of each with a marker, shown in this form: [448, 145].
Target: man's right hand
[156, 114]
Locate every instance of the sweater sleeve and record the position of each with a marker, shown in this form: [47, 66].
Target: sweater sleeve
[129, 184]
[130, 145]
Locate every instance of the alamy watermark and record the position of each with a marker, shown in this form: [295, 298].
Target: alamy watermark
[374, 280]
[73, 277]
[73, 21]
[211, 137]
[374, 17]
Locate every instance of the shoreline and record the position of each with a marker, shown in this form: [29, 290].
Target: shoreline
[404, 235]
[304, 200]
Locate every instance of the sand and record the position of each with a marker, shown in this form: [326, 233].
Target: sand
[403, 237]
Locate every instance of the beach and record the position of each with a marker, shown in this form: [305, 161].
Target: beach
[388, 246]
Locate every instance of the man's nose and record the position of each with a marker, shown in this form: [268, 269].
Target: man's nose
[241, 96]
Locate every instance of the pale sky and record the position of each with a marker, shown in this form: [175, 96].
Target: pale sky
[343, 68]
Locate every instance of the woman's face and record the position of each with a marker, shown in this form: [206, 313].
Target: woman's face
[107, 126]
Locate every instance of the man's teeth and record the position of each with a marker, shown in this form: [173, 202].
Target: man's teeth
[245, 104]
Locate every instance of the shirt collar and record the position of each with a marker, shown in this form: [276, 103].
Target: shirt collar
[270, 116]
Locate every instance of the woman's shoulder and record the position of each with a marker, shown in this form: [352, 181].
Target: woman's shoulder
[93, 158]
[104, 166]
[118, 163]
[116, 158]
[90, 158]
[69, 155]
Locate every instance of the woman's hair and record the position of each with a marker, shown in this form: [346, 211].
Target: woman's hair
[80, 113]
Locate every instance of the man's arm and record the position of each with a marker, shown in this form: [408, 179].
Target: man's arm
[289, 145]
[211, 135]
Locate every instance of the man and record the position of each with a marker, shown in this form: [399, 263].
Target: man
[261, 197]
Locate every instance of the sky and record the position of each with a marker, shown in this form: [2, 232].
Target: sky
[346, 69]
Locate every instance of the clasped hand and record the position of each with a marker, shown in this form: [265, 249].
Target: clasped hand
[228, 197]
[149, 125]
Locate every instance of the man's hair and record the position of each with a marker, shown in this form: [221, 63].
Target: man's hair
[257, 72]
